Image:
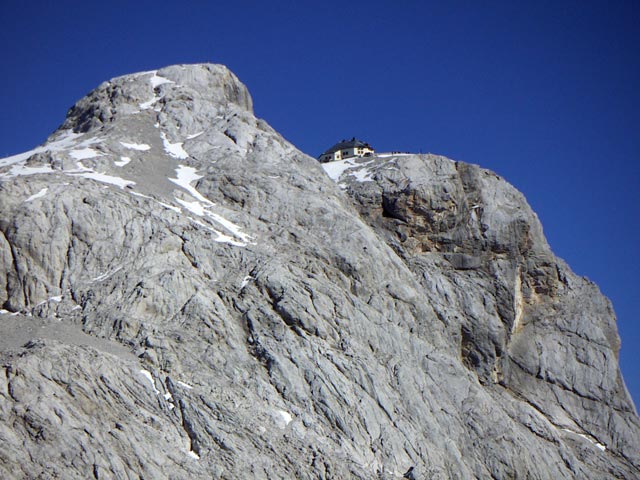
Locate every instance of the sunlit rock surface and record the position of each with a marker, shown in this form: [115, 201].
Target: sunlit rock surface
[186, 295]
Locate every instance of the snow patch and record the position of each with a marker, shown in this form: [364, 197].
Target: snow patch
[202, 211]
[40, 194]
[149, 377]
[171, 207]
[232, 227]
[143, 147]
[104, 276]
[202, 208]
[22, 170]
[186, 175]
[195, 135]
[193, 454]
[80, 152]
[165, 205]
[173, 149]
[122, 162]
[194, 207]
[285, 418]
[157, 80]
[64, 141]
[84, 153]
[362, 175]
[101, 177]
[390, 154]
[336, 169]
[184, 385]
[246, 281]
[589, 439]
[148, 104]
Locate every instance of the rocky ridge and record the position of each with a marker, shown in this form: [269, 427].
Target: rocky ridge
[185, 294]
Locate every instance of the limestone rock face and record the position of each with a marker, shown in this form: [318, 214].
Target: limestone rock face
[186, 295]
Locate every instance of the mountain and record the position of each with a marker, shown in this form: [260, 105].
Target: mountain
[185, 294]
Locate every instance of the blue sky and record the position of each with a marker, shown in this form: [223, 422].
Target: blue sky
[545, 93]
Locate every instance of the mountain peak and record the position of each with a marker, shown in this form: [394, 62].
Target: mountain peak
[184, 294]
[181, 92]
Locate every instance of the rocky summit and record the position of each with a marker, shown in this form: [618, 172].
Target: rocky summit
[186, 295]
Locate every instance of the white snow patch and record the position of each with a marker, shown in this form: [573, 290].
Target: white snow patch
[232, 227]
[66, 140]
[147, 105]
[84, 153]
[220, 237]
[173, 149]
[122, 162]
[586, 437]
[246, 281]
[101, 177]
[336, 169]
[362, 175]
[194, 207]
[22, 170]
[202, 207]
[157, 80]
[184, 385]
[285, 417]
[193, 454]
[80, 168]
[171, 207]
[2, 310]
[40, 194]
[165, 205]
[57, 299]
[77, 307]
[137, 194]
[195, 135]
[167, 396]
[186, 175]
[104, 276]
[143, 147]
[148, 376]
[386, 155]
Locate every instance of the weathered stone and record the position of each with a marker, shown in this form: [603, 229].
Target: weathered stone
[210, 304]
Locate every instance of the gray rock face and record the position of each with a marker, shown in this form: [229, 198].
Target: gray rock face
[186, 295]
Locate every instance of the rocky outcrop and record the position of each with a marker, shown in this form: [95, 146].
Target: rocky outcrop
[185, 294]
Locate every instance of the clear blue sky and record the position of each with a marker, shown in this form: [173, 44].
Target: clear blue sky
[545, 93]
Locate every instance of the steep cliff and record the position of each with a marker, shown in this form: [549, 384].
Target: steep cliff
[185, 294]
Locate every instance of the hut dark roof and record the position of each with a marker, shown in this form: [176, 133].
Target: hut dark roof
[344, 144]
